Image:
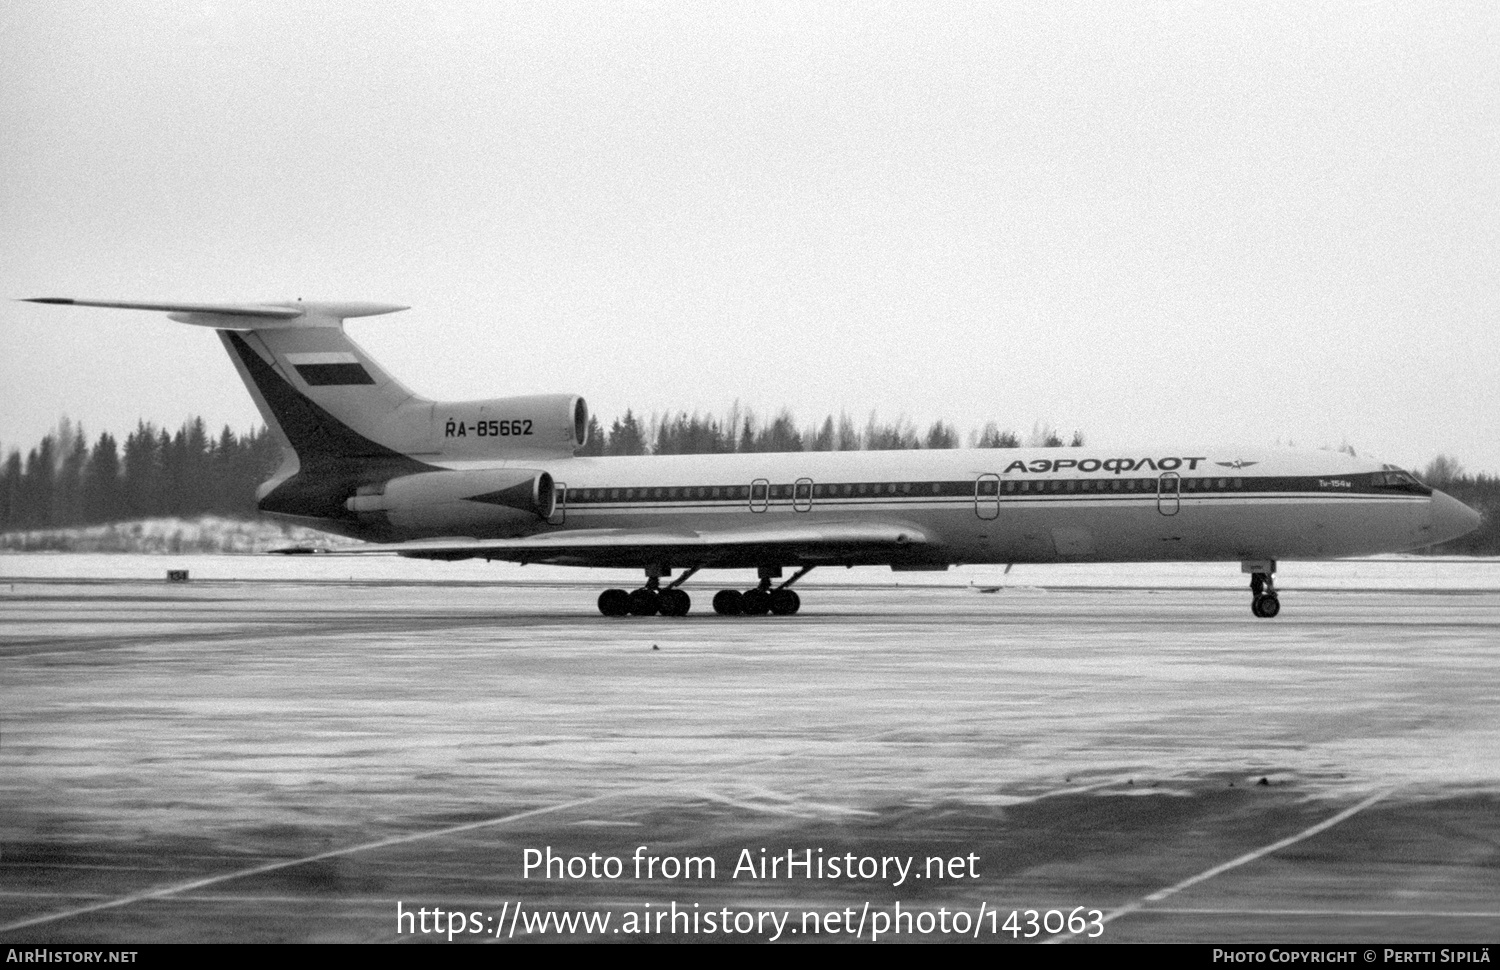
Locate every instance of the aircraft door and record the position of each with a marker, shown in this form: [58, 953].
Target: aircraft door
[760, 495]
[1168, 493]
[802, 494]
[987, 496]
[559, 504]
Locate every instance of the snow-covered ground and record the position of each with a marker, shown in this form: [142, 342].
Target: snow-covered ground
[205, 534]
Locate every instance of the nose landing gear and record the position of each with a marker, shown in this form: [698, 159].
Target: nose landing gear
[1263, 600]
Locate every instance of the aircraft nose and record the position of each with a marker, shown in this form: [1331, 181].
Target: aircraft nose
[1451, 518]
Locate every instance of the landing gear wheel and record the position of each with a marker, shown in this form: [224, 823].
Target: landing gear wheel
[755, 602]
[1263, 601]
[614, 602]
[674, 602]
[727, 602]
[644, 602]
[1266, 606]
[785, 602]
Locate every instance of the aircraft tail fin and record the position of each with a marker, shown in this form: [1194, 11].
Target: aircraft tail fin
[343, 422]
[335, 411]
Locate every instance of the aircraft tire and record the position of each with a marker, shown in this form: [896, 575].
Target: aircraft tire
[785, 602]
[755, 602]
[1266, 606]
[614, 602]
[674, 602]
[727, 602]
[644, 602]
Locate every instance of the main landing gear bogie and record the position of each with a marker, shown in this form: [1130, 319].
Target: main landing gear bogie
[653, 599]
[757, 602]
[645, 602]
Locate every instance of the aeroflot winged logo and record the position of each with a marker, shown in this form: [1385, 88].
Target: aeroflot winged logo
[1117, 465]
[1237, 463]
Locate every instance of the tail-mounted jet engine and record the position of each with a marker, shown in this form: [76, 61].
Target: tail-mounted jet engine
[543, 424]
[490, 503]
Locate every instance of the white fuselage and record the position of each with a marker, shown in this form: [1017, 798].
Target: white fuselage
[1002, 505]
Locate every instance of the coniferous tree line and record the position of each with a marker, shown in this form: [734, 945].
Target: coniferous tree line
[741, 430]
[69, 480]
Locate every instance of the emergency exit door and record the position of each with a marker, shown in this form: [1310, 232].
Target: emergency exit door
[1168, 493]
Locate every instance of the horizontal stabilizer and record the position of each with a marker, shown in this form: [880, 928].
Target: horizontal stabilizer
[229, 309]
[242, 316]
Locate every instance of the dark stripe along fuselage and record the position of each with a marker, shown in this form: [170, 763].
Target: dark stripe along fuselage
[992, 486]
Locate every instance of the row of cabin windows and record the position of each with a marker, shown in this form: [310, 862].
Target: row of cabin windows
[990, 487]
[873, 489]
[742, 492]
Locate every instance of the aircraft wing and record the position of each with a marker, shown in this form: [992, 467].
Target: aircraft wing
[831, 543]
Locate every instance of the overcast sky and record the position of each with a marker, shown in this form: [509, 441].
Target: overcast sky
[1215, 222]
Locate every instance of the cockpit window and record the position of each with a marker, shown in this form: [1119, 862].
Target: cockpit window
[1400, 481]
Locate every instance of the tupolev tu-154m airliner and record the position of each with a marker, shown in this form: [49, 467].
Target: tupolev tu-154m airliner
[499, 479]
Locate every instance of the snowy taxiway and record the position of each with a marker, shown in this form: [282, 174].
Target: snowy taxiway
[287, 749]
